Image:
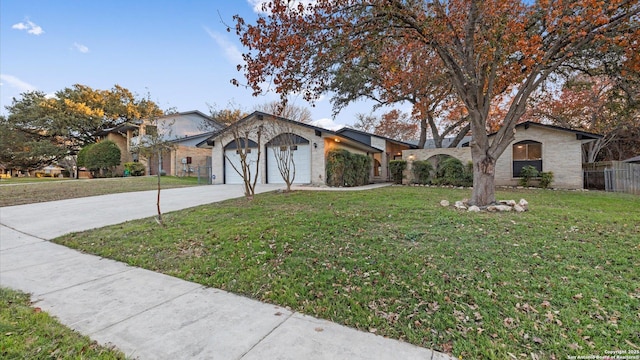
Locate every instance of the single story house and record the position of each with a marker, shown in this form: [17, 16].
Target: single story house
[185, 130]
[545, 147]
[311, 147]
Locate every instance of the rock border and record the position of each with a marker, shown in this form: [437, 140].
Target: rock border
[499, 206]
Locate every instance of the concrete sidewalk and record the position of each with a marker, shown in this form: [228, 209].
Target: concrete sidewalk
[149, 315]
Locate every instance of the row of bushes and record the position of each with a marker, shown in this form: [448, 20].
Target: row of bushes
[347, 169]
[451, 171]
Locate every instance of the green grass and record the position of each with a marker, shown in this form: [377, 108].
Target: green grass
[562, 279]
[34, 190]
[28, 333]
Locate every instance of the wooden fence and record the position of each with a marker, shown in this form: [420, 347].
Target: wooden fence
[613, 176]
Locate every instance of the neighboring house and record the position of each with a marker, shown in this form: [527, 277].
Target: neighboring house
[311, 147]
[545, 147]
[184, 130]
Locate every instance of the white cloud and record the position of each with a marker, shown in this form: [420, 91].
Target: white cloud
[16, 83]
[257, 5]
[83, 49]
[328, 124]
[231, 51]
[29, 26]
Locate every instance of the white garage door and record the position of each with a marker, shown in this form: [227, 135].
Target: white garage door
[301, 159]
[230, 174]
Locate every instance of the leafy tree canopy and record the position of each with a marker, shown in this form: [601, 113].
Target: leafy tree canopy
[483, 48]
[72, 117]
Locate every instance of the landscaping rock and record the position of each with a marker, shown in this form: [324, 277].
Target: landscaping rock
[460, 205]
[524, 204]
[500, 206]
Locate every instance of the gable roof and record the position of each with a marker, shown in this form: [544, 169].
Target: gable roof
[580, 135]
[259, 114]
[204, 136]
[364, 133]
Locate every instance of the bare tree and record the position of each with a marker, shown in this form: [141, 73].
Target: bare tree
[248, 167]
[283, 144]
[287, 111]
[153, 143]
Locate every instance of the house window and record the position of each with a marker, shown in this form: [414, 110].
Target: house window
[526, 153]
[293, 147]
[248, 151]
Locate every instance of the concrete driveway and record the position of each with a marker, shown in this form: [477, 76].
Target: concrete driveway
[149, 315]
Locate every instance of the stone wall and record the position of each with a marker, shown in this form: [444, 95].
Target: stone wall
[462, 154]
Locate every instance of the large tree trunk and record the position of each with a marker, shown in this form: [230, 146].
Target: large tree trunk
[484, 165]
[483, 193]
[423, 133]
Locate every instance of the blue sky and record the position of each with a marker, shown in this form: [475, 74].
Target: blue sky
[177, 51]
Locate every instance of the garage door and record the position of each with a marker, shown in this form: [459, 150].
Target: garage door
[232, 158]
[301, 160]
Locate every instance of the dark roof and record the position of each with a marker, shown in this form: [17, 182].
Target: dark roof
[206, 134]
[348, 129]
[580, 135]
[316, 128]
[117, 129]
[635, 159]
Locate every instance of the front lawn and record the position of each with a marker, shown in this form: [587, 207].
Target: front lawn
[19, 191]
[28, 333]
[561, 280]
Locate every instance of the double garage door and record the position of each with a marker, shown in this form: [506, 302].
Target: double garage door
[301, 159]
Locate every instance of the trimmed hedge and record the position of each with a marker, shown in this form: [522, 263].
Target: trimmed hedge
[347, 169]
[100, 157]
[451, 171]
[422, 170]
[396, 167]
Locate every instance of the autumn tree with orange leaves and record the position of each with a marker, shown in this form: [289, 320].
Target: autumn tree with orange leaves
[394, 124]
[484, 47]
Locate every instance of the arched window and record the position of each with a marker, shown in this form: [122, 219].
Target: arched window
[287, 139]
[234, 146]
[526, 153]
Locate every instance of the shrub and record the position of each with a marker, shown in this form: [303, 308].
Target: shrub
[396, 167]
[451, 171]
[134, 168]
[546, 178]
[347, 169]
[101, 157]
[422, 172]
[82, 155]
[526, 174]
